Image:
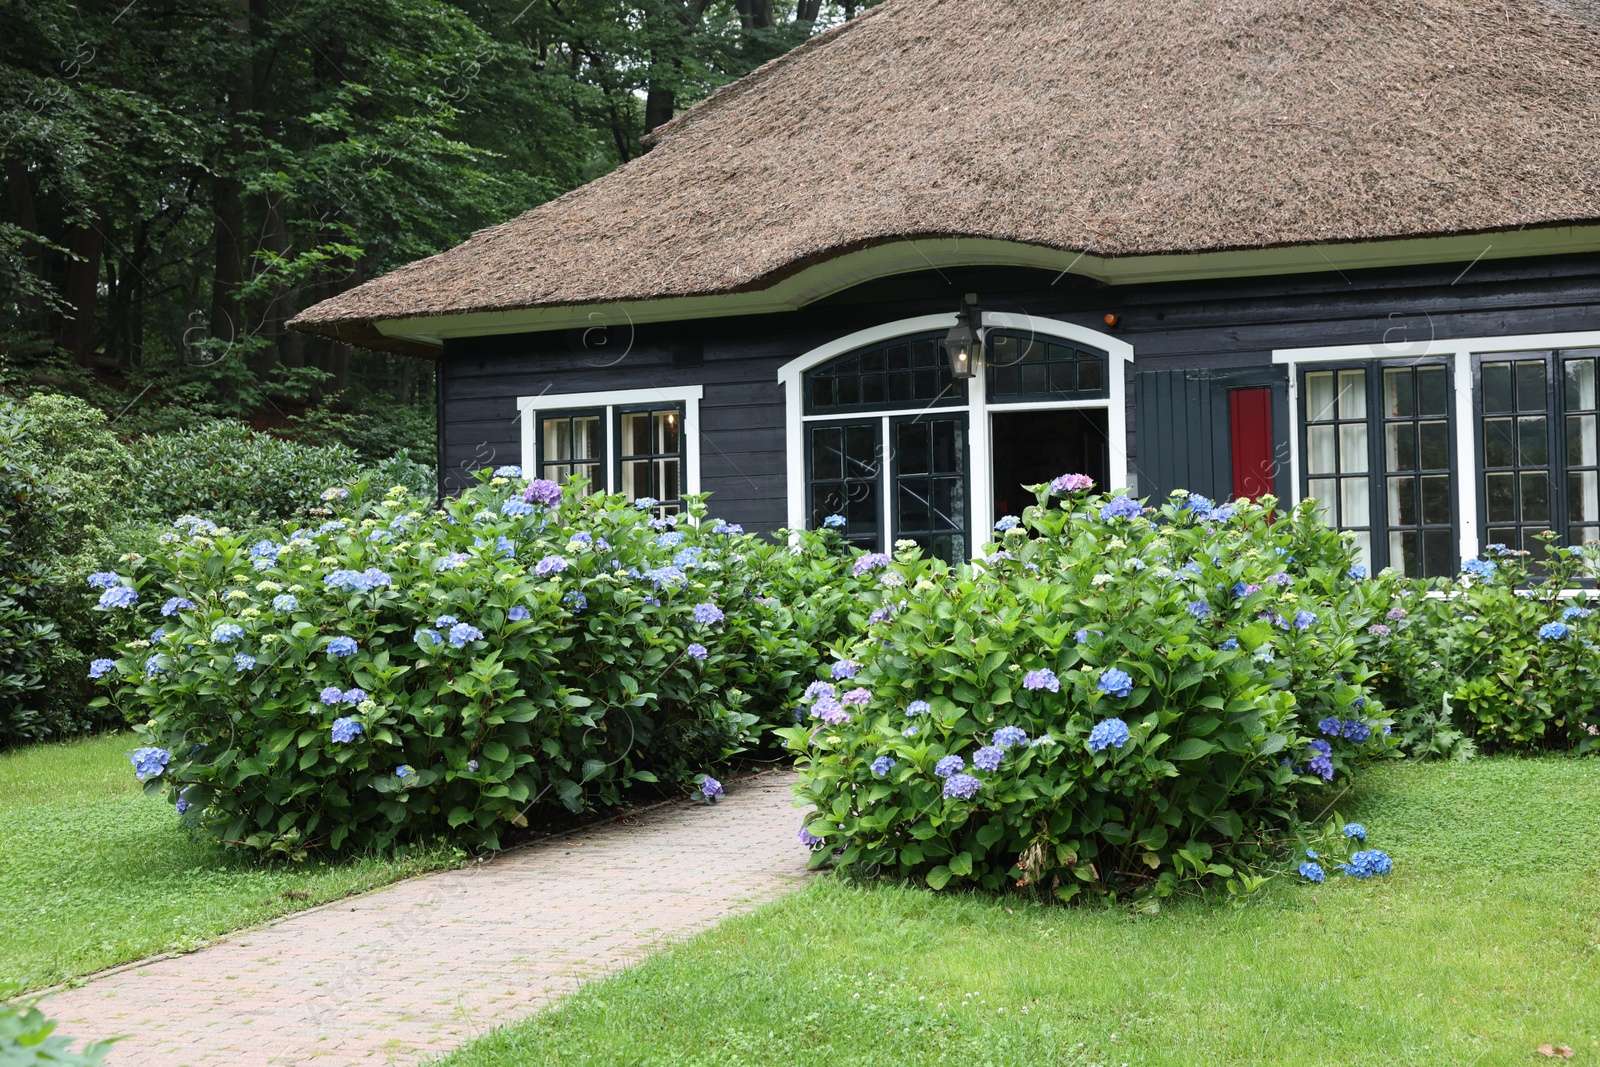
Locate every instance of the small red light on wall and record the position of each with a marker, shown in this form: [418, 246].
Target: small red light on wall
[1112, 319]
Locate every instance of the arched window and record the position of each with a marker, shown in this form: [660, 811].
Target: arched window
[893, 374]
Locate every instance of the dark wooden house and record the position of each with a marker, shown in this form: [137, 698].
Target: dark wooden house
[1341, 250]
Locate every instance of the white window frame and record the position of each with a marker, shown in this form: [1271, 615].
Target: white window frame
[980, 427]
[531, 408]
[1462, 350]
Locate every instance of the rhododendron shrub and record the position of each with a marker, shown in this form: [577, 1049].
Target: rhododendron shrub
[394, 670]
[1119, 699]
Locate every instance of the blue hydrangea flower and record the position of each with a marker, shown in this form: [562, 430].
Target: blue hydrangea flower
[353, 696]
[1082, 636]
[244, 662]
[542, 491]
[687, 558]
[100, 667]
[1196, 502]
[882, 766]
[226, 633]
[696, 651]
[729, 529]
[463, 632]
[550, 565]
[988, 758]
[1304, 620]
[517, 613]
[404, 771]
[575, 600]
[845, 668]
[1576, 613]
[918, 707]
[1043, 678]
[331, 526]
[961, 787]
[1199, 609]
[1312, 872]
[711, 789]
[707, 614]
[285, 602]
[1229, 645]
[670, 540]
[909, 731]
[1192, 567]
[1007, 736]
[807, 838]
[1319, 745]
[426, 637]
[1311, 853]
[444, 622]
[184, 803]
[1115, 683]
[104, 580]
[118, 596]
[834, 522]
[452, 561]
[1121, 507]
[858, 696]
[665, 577]
[1367, 863]
[819, 689]
[645, 503]
[516, 508]
[1322, 766]
[1355, 831]
[1355, 730]
[1480, 568]
[472, 766]
[149, 762]
[346, 730]
[1108, 733]
[342, 646]
[1553, 631]
[1007, 522]
[331, 695]
[509, 471]
[949, 765]
[870, 562]
[175, 605]
[1330, 726]
[155, 665]
[1357, 573]
[665, 522]
[1221, 514]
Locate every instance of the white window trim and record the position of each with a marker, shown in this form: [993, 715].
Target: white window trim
[530, 408]
[977, 409]
[1461, 352]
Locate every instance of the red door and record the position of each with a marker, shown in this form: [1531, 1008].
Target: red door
[1250, 422]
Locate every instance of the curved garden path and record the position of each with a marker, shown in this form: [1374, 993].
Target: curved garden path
[411, 971]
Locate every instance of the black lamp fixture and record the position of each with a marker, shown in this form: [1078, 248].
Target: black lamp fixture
[961, 343]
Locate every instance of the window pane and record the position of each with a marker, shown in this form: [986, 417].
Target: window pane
[1397, 399]
[1403, 552]
[1364, 547]
[1400, 446]
[1091, 375]
[1500, 497]
[1402, 502]
[1530, 386]
[586, 437]
[636, 478]
[1353, 447]
[1535, 496]
[1498, 450]
[827, 453]
[1352, 394]
[1436, 500]
[557, 439]
[1496, 388]
[1438, 554]
[1319, 397]
[1581, 440]
[1583, 504]
[1354, 502]
[1325, 492]
[1435, 437]
[1321, 457]
[1533, 442]
[1433, 391]
[1580, 384]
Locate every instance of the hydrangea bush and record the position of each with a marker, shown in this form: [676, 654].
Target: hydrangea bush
[1501, 657]
[1119, 699]
[395, 670]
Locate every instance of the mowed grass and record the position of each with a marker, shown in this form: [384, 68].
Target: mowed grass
[1483, 945]
[93, 873]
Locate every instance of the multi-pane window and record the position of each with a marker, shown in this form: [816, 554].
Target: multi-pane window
[1537, 426]
[845, 460]
[650, 455]
[905, 372]
[1021, 366]
[1378, 461]
[572, 444]
[930, 477]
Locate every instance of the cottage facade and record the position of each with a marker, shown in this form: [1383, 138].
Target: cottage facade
[1346, 252]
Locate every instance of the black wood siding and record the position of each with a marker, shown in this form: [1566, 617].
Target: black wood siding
[1172, 326]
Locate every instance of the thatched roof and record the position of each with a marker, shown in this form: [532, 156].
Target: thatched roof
[1114, 127]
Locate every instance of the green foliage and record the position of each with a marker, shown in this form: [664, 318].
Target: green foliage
[1500, 658]
[27, 1037]
[29, 520]
[1237, 669]
[507, 654]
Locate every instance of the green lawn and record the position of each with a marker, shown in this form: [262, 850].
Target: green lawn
[1483, 945]
[93, 873]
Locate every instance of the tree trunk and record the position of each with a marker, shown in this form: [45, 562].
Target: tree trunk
[19, 186]
[227, 205]
[660, 103]
[82, 287]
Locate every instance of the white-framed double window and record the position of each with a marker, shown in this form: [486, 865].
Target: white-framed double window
[1427, 452]
[880, 432]
[637, 442]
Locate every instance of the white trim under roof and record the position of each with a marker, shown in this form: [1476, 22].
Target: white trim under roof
[529, 408]
[978, 408]
[832, 275]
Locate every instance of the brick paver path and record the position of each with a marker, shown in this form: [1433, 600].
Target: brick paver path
[409, 972]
